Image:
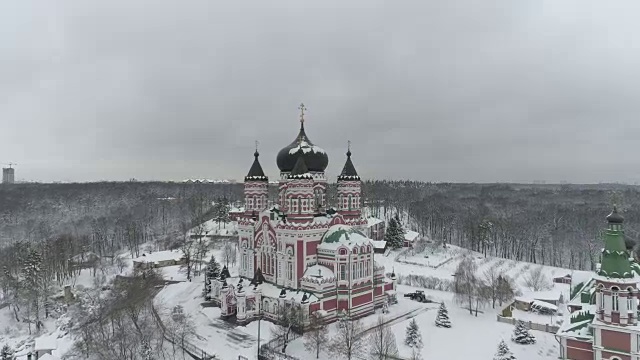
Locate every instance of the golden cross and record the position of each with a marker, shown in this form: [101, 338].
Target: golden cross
[302, 109]
[349, 145]
[256, 145]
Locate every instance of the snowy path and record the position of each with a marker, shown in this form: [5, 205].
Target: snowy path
[396, 319]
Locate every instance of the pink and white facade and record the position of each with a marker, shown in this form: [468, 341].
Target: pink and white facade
[310, 254]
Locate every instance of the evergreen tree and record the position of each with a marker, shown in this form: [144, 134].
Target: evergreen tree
[212, 272]
[398, 221]
[442, 320]
[213, 268]
[6, 353]
[413, 338]
[34, 286]
[521, 334]
[394, 235]
[221, 211]
[503, 352]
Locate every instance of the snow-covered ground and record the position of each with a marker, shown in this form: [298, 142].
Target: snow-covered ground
[16, 334]
[470, 337]
[212, 227]
[449, 258]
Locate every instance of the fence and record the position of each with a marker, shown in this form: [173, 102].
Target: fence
[193, 350]
[270, 350]
[533, 326]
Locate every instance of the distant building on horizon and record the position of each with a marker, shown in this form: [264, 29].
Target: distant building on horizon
[8, 175]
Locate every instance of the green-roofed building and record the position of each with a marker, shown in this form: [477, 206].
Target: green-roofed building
[604, 321]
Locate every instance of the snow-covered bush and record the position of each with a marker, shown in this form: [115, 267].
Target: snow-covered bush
[521, 334]
[503, 352]
[442, 320]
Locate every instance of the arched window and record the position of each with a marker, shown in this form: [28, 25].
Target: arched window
[601, 296]
[614, 299]
[355, 250]
[630, 300]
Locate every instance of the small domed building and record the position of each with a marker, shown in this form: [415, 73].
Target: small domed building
[302, 252]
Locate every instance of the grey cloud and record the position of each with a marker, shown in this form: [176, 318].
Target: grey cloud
[436, 90]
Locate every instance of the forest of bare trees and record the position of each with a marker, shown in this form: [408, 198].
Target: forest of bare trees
[558, 225]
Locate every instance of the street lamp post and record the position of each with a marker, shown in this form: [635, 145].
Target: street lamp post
[259, 317]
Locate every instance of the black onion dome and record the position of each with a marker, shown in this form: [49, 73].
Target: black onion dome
[315, 158]
[300, 170]
[348, 171]
[614, 217]
[256, 173]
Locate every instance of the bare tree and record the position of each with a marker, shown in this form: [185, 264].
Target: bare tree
[229, 253]
[505, 290]
[114, 326]
[188, 251]
[180, 327]
[348, 342]
[120, 264]
[382, 341]
[466, 283]
[316, 337]
[536, 279]
[289, 319]
[498, 287]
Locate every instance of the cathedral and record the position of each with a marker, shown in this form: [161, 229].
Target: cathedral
[303, 252]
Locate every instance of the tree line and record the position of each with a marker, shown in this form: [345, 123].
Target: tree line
[557, 225]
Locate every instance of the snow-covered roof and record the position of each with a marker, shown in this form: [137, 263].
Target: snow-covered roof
[306, 147]
[209, 181]
[545, 304]
[271, 291]
[319, 271]
[46, 343]
[343, 235]
[236, 209]
[373, 221]
[379, 244]
[410, 235]
[158, 256]
[523, 299]
[551, 294]
[577, 323]
[580, 277]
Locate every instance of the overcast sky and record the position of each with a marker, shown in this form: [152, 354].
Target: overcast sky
[464, 91]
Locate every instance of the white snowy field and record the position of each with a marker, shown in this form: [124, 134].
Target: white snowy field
[470, 337]
[419, 265]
